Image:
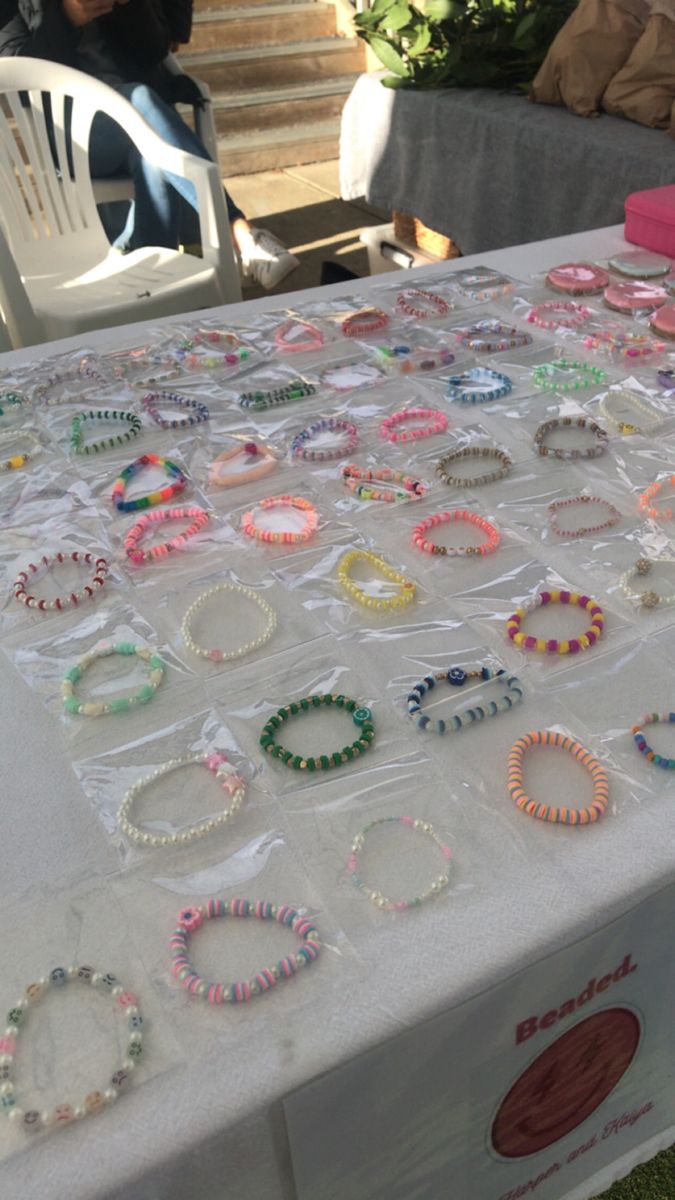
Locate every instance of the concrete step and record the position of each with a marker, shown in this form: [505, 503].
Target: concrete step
[292, 146]
[248, 6]
[271, 65]
[272, 108]
[260, 25]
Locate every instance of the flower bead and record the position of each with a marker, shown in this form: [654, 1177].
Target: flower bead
[15, 1016]
[456, 676]
[190, 918]
[127, 999]
[135, 1050]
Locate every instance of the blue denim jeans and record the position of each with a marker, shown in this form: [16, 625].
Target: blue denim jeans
[164, 210]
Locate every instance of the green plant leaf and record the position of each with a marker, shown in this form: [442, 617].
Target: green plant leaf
[398, 16]
[388, 55]
[379, 7]
[421, 43]
[524, 27]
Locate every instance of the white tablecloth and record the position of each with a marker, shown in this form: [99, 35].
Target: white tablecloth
[207, 1120]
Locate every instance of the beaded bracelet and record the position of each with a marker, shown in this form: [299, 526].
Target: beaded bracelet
[364, 323]
[456, 514]
[552, 645]
[478, 385]
[147, 460]
[666, 379]
[248, 647]
[19, 460]
[545, 375]
[361, 716]
[457, 677]
[624, 342]
[548, 812]
[626, 427]
[558, 505]
[77, 443]
[407, 359]
[555, 314]
[546, 427]
[297, 390]
[263, 459]
[434, 306]
[359, 479]
[504, 337]
[237, 351]
[474, 452]
[378, 899]
[577, 279]
[125, 1003]
[154, 400]
[314, 341]
[10, 401]
[190, 918]
[649, 599]
[645, 500]
[198, 517]
[91, 708]
[99, 564]
[287, 537]
[437, 423]
[226, 776]
[406, 588]
[301, 449]
[659, 760]
[78, 373]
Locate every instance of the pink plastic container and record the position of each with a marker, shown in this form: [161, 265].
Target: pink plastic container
[650, 219]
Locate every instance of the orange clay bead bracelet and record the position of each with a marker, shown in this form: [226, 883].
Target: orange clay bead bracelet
[286, 536]
[549, 812]
[652, 510]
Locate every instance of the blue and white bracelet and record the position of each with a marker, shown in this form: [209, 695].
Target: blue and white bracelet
[456, 677]
[478, 385]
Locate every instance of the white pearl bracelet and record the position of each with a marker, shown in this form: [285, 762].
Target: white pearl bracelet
[248, 648]
[635, 402]
[649, 599]
[225, 774]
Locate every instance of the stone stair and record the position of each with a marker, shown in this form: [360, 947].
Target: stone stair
[279, 75]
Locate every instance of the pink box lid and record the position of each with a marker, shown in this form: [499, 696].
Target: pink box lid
[656, 203]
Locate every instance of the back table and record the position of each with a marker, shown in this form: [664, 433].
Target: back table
[510, 1037]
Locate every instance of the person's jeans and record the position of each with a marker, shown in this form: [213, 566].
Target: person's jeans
[164, 209]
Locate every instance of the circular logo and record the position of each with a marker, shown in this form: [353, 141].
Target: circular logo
[566, 1083]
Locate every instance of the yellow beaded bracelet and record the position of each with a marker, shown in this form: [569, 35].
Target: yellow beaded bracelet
[403, 597]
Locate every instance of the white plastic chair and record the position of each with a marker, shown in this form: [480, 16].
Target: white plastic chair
[62, 277]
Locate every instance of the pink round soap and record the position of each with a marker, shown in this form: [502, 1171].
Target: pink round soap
[628, 297]
[663, 321]
[577, 279]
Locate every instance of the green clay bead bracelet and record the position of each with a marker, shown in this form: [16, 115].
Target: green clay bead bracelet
[96, 708]
[361, 716]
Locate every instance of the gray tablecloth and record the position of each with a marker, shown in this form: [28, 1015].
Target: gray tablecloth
[490, 169]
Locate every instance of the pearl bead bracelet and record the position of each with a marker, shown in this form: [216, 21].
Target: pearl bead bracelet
[457, 677]
[301, 448]
[155, 401]
[125, 1003]
[555, 376]
[645, 500]
[613, 518]
[263, 460]
[432, 304]
[406, 588]
[286, 537]
[197, 516]
[378, 899]
[95, 708]
[79, 446]
[649, 599]
[627, 427]
[551, 645]
[88, 592]
[569, 423]
[260, 400]
[659, 760]
[16, 461]
[555, 314]
[248, 647]
[548, 812]
[361, 716]
[473, 480]
[359, 480]
[456, 514]
[226, 776]
[437, 422]
[478, 385]
[492, 336]
[190, 919]
[364, 323]
[160, 496]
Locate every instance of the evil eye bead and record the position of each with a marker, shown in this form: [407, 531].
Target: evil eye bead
[361, 715]
[456, 676]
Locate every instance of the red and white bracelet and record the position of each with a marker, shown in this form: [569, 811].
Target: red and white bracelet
[147, 520]
[88, 592]
[456, 514]
[553, 509]
[556, 314]
[435, 306]
[437, 423]
[362, 324]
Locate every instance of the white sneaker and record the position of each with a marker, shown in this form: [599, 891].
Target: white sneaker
[265, 259]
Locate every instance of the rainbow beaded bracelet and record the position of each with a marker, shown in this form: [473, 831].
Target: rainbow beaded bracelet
[378, 899]
[659, 760]
[457, 677]
[548, 812]
[492, 335]
[360, 479]
[91, 708]
[79, 446]
[159, 497]
[88, 592]
[153, 402]
[125, 1003]
[552, 645]
[190, 919]
[361, 716]
[456, 514]
[198, 517]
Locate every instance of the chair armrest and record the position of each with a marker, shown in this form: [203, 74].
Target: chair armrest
[205, 126]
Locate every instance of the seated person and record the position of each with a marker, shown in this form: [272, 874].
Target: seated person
[123, 43]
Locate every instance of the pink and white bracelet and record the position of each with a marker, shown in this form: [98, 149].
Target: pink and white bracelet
[556, 314]
[437, 423]
[557, 506]
[456, 514]
[287, 536]
[132, 549]
[263, 463]
[88, 592]
[377, 897]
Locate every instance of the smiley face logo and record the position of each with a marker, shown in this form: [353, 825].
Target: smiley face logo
[566, 1083]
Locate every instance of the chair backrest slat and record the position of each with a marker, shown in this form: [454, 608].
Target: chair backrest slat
[17, 180]
[41, 168]
[53, 187]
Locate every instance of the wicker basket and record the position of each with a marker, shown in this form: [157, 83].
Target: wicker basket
[414, 232]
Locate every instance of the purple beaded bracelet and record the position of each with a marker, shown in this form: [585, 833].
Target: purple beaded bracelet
[552, 645]
[154, 400]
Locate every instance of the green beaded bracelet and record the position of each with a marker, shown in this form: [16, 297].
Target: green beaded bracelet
[102, 414]
[91, 708]
[361, 716]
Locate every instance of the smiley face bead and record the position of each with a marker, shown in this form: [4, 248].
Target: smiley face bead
[85, 974]
[57, 977]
